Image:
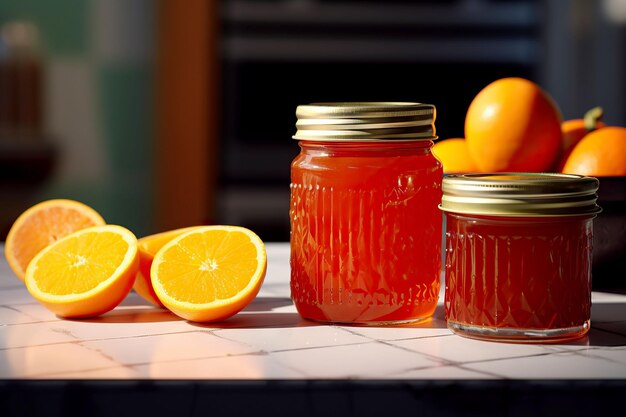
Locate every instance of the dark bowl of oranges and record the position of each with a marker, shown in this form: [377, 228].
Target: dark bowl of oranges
[512, 125]
[609, 235]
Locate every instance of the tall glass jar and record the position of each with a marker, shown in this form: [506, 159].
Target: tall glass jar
[518, 255]
[365, 224]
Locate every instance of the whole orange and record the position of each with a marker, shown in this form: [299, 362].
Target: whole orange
[575, 129]
[601, 153]
[513, 125]
[454, 156]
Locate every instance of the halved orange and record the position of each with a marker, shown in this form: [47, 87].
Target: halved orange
[210, 273]
[148, 247]
[85, 274]
[43, 224]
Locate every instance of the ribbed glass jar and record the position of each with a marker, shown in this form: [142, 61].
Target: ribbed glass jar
[365, 227]
[518, 255]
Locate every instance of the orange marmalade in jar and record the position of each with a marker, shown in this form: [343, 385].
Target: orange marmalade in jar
[365, 225]
[518, 255]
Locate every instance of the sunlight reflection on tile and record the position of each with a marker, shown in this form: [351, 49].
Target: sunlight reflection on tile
[34, 334]
[269, 340]
[274, 339]
[367, 360]
[168, 347]
[233, 367]
[44, 360]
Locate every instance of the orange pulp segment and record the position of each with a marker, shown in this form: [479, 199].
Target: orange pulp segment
[210, 273]
[43, 224]
[148, 247]
[85, 274]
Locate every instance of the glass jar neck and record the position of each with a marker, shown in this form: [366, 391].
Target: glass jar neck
[419, 147]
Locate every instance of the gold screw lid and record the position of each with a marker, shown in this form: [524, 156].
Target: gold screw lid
[363, 122]
[520, 194]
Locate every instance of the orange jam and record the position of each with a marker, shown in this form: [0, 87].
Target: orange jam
[365, 230]
[518, 255]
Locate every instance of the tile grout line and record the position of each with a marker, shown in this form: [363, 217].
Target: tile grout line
[12, 308]
[294, 349]
[460, 366]
[79, 341]
[595, 356]
[449, 362]
[441, 361]
[135, 364]
[356, 333]
[535, 355]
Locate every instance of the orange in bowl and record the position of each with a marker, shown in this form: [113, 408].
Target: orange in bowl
[575, 130]
[454, 155]
[86, 273]
[513, 125]
[209, 273]
[600, 153]
[43, 224]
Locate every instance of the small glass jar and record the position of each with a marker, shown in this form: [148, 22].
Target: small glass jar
[365, 227]
[518, 255]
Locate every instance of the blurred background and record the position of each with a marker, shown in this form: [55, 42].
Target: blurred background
[163, 114]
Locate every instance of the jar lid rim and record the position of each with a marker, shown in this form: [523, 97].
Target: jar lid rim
[520, 194]
[365, 121]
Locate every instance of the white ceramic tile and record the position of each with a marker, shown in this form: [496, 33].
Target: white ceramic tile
[443, 372]
[232, 367]
[9, 281]
[461, 350]
[154, 343]
[597, 337]
[7, 277]
[278, 254]
[614, 355]
[278, 270]
[9, 315]
[607, 297]
[135, 300]
[167, 347]
[367, 360]
[553, 366]
[124, 323]
[13, 296]
[400, 333]
[608, 312]
[275, 339]
[290, 309]
[607, 334]
[266, 302]
[435, 326]
[36, 312]
[276, 289]
[252, 320]
[41, 361]
[118, 372]
[32, 334]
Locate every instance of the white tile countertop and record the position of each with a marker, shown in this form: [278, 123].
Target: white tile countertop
[268, 341]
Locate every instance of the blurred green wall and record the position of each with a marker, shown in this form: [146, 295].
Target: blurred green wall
[98, 102]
